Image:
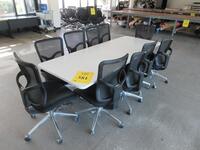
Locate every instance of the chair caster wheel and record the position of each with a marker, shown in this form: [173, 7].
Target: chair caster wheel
[92, 132]
[129, 112]
[154, 87]
[121, 125]
[140, 100]
[59, 141]
[148, 87]
[33, 116]
[77, 119]
[27, 138]
[166, 81]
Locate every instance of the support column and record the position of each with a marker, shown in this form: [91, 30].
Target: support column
[53, 6]
[174, 29]
[131, 3]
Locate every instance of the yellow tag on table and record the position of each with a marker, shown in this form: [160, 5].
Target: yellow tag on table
[83, 77]
[92, 11]
[186, 23]
[193, 14]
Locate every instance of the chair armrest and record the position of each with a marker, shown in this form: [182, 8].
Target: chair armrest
[170, 51]
[26, 89]
[122, 74]
[147, 66]
[167, 56]
[167, 53]
[136, 72]
[17, 80]
[140, 75]
[34, 87]
[106, 84]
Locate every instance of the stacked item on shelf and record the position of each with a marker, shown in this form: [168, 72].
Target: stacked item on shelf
[169, 25]
[122, 4]
[121, 20]
[195, 6]
[77, 18]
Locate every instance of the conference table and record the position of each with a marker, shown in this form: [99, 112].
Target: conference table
[88, 59]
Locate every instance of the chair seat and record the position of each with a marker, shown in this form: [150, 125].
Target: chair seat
[57, 94]
[90, 95]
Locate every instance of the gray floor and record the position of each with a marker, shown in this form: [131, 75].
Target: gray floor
[167, 120]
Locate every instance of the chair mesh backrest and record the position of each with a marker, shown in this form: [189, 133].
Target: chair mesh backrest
[109, 69]
[99, 13]
[48, 49]
[70, 13]
[92, 12]
[74, 40]
[136, 60]
[34, 97]
[104, 32]
[132, 78]
[160, 58]
[148, 49]
[92, 36]
[144, 31]
[82, 15]
[164, 46]
[109, 72]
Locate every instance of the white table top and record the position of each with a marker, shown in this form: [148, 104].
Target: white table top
[87, 60]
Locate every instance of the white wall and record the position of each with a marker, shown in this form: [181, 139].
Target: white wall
[179, 3]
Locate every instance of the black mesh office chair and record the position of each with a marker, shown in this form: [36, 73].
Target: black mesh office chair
[144, 31]
[68, 15]
[41, 97]
[162, 58]
[92, 12]
[104, 32]
[96, 17]
[134, 79]
[48, 49]
[105, 94]
[100, 16]
[82, 15]
[146, 67]
[92, 36]
[74, 40]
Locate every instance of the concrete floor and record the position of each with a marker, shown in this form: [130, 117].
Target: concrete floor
[167, 120]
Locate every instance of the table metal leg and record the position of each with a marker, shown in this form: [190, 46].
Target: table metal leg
[128, 18]
[150, 19]
[174, 29]
[111, 19]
